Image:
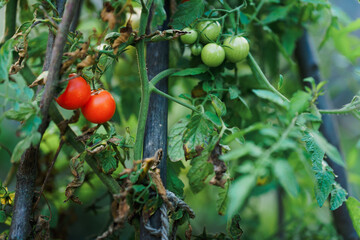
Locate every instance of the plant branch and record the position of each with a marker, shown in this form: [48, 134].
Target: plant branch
[162, 75]
[10, 20]
[157, 91]
[145, 92]
[260, 76]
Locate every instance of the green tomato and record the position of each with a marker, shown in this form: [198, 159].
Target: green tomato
[189, 38]
[196, 49]
[236, 48]
[209, 31]
[212, 55]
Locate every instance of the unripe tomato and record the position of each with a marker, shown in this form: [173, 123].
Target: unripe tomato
[196, 49]
[236, 48]
[76, 94]
[100, 108]
[209, 31]
[189, 38]
[212, 55]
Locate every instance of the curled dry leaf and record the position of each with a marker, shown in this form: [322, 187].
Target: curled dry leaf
[108, 15]
[161, 189]
[87, 134]
[64, 124]
[88, 61]
[78, 53]
[125, 33]
[219, 166]
[40, 80]
[151, 163]
[77, 170]
[21, 49]
[188, 232]
[42, 228]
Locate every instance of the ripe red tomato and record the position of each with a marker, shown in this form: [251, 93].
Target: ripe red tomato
[76, 94]
[100, 108]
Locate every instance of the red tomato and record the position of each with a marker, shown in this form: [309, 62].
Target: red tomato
[100, 108]
[76, 94]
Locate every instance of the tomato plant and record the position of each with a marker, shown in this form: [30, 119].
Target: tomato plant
[76, 94]
[100, 108]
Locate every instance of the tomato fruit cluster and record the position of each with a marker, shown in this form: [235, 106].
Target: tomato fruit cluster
[234, 48]
[97, 106]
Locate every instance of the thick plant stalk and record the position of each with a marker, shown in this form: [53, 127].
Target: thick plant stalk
[309, 67]
[26, 175]
[10, 19]
[157, 58]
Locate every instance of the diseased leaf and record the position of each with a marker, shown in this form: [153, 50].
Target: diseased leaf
[286, 176]
[197, 135]
[108, 162]
[198, 173]
[186, 13]
[239, 191]
[175, 146]
[235, 229]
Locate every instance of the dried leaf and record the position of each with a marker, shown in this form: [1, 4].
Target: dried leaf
[188, 232]
[161, 189]
[108, 15]
[40, 80]
[42, 228]
[87, 134]
[88, 61]
[21, 49]
[125, 33]
[77, 170]
[78, 53]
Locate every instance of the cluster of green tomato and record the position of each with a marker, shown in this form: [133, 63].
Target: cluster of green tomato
[234, 48]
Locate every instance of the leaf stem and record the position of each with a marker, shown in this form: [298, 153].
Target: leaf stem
[162, 75]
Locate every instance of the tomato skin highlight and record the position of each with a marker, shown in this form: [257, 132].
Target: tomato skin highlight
[212, 55]
[100, 108]
[76, 94]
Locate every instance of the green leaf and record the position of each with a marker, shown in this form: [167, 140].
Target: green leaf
[286, 176]
[222, 200]
[324, 179]
[353, 205]
[213, 118]
[197, 134]
[338, 196]
[322, 2]
[234, 92]
[218, 105]
[299, 103]
[175, 146]
[138, 188]
[2, 216]
[159, 14]
[5, 59]
[187, 13]
[281, 81]
[277, 13]
[198, 173]
[22, 113]
[23, 145]
[329, 149]
[108, 162]
[191, 71]
[239, 191]
[268, 95]
[248, 148]
[173, 182]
